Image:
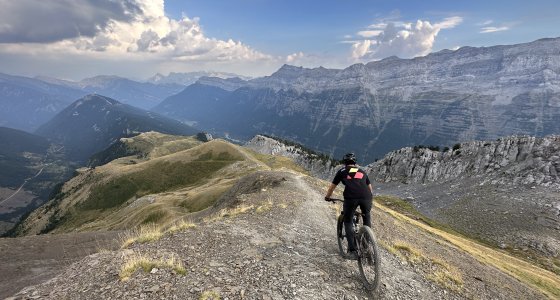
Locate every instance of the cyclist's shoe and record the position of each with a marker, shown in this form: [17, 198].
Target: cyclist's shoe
[352, 255]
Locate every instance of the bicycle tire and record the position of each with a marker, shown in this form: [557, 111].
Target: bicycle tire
[369, 259]
[341, 236]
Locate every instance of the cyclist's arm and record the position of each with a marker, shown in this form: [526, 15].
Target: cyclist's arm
[330, 190]
[370, 188]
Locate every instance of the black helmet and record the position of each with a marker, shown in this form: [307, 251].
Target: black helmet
[349, 159]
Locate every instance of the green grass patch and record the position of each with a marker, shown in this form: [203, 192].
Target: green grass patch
[154, 217]
[203, 199]
[160, 177]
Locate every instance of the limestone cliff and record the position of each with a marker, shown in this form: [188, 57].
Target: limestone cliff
[516, 160]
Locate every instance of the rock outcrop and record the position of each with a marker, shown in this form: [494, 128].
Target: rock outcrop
[516, 160]
[318, 166]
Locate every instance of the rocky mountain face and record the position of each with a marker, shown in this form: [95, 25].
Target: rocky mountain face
[94, 122]
[505, 192]
[26, 103]
[371, 109]
[317, 165]
[511, 160]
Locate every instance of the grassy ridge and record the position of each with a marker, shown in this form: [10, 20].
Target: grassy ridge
[161, 177]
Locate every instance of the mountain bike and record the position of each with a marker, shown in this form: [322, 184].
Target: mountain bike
[368, 253]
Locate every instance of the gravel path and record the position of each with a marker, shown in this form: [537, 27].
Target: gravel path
[282, 247]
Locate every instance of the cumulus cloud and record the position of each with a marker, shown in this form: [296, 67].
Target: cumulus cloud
[37, 21]
[113, 30]
[490, 29]
[399, 38]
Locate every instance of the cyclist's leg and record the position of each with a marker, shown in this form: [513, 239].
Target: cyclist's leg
[349, 208]
[365, 207]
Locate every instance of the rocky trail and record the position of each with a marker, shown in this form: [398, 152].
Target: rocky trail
[273, 237]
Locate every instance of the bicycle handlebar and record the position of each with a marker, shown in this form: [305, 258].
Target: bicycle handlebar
[335, 200]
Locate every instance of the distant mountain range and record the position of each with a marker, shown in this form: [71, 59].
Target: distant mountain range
[26, 103]
[144, 95]
[94, 122]
[440, 99]
[189, 78]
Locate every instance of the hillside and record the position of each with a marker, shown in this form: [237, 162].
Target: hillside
[166, 177]
[271, 236]
[94, 122]
[30, 167]
[439, 99]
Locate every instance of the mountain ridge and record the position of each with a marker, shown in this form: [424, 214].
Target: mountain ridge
[439, 99]
[94, 122]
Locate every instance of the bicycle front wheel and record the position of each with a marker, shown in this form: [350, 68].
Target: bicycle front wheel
[341, 236]
[368, 258]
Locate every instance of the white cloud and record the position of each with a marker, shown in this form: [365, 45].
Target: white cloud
[401, 39]
[369, 33]
[119, 30]
[485, 23]
[378, 25]
[493, 29]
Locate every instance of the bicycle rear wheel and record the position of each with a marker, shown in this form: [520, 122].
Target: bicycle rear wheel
[368, 258]
[341, 236]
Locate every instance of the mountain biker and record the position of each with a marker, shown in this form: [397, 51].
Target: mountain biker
[357, 192]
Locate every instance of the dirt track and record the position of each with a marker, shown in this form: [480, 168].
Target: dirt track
[31, 260]
[283, 246]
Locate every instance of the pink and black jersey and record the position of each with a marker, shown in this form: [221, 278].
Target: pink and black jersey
[355, 182]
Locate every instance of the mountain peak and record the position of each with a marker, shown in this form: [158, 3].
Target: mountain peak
[97, 99]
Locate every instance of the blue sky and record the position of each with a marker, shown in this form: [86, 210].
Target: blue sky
[137, 38]
[316, 26]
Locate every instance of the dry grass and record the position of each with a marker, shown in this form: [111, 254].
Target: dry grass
[408, 252]
[210, 295]
[138, 261]
[277, 162]
[436, 269]
[540, 279]
[264, 207]
[229, 212]
[448, 278]
[148, 233]
[180, 226]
